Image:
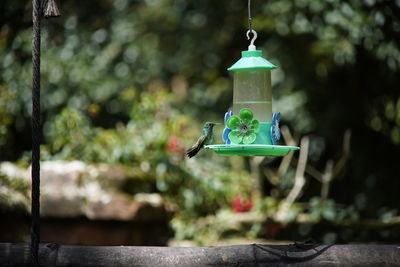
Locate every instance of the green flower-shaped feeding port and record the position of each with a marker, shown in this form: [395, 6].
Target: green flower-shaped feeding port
[244, 128]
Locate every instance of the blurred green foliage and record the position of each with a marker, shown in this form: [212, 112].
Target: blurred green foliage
[194, 188]
[131, 82]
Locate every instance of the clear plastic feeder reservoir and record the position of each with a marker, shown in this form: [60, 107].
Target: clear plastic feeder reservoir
[252, 89]
[252, 85]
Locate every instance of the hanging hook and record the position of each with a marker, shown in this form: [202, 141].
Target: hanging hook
[252, 47]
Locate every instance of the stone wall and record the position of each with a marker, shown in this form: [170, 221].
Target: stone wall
[84, 204]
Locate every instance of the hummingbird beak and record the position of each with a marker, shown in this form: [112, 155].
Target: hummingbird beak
[217, 123]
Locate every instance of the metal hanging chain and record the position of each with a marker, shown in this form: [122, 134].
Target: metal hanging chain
[51, 10]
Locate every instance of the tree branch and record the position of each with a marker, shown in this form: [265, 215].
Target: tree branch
[298, 182]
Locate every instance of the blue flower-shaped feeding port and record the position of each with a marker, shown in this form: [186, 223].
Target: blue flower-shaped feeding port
[226, 131]
[275, 131]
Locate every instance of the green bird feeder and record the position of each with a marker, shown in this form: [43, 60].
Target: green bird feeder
[251, 129]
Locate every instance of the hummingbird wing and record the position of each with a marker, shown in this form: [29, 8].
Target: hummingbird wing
[191, 152]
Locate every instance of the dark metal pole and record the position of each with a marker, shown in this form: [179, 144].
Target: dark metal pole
[35, 171]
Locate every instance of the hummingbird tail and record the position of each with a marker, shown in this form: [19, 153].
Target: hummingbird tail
[191, 152]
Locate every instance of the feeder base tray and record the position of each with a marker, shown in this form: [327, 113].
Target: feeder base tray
[252, 150]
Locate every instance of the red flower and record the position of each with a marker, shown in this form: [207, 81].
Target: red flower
[240, 205]
[174, 146]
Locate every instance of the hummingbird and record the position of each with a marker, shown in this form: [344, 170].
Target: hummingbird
[206, 138]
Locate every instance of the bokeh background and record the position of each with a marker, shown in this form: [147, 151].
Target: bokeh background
[127, 85]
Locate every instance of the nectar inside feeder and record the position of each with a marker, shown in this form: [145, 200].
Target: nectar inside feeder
[251, 129]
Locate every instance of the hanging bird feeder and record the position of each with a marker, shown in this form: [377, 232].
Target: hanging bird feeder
[251, 129]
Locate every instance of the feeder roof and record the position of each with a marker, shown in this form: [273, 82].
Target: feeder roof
[252, 60]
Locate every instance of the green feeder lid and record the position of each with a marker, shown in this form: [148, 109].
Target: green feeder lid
[252, 60]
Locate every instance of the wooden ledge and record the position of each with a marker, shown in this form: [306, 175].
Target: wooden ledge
[53, 254]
